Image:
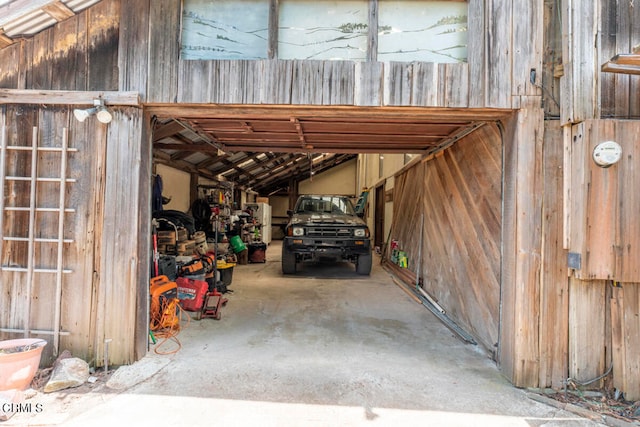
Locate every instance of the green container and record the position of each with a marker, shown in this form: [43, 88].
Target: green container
[237, 244]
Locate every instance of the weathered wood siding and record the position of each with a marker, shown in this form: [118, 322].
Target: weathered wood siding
[80, 53]
[454, 202]
[625, 338]
[594, 33]
[604, 334]
[603, 226]
[522, 240]
[124, 238]
[619, 33]
[554, 286]
[104, 228]
[603, 233]
[139, 51]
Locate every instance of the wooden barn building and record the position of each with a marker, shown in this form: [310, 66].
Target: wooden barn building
[512, 212]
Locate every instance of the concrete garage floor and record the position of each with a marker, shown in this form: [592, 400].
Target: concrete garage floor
[325, 347]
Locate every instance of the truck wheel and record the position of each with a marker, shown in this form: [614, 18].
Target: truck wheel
[363, 264]
[288, 262]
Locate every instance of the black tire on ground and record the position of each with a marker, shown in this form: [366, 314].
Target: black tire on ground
[288, 262]
[363, 264]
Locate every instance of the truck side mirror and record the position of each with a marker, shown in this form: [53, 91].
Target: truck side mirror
[289, 212]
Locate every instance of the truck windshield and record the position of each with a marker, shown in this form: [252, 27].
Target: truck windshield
[325, 204]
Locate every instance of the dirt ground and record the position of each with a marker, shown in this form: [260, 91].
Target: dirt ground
[324, 347]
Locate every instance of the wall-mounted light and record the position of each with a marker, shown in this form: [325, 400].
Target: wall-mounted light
[607, 153]
[101, 112]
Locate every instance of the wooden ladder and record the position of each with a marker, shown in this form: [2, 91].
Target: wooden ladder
[30, 269]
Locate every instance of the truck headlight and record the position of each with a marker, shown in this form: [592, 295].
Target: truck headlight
[360, 232]
[298, 231]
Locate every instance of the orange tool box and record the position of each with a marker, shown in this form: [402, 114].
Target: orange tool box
[163, 293]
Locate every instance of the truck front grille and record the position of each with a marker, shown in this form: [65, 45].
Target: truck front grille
[328, 232]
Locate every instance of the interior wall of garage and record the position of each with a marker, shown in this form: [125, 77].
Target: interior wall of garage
[338, 180]
[176, 185]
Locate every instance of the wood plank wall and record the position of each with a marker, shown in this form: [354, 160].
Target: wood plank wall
[594, 33]
[323, 83]
[84, 197]
[105, 293]
[116, 56]
[625, 336]
[359, 83]
[522, 244]
[138, 51]
[604, 229]
[457, 195]
[80, 53]
[604, 334]
[554, 286]
[620, 33]
[124, 235]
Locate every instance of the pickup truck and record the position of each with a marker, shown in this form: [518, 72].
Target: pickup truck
[325, 228]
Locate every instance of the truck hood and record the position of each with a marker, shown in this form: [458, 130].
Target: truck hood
[325, 219]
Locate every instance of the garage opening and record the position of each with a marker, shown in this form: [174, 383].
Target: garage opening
[419, 174]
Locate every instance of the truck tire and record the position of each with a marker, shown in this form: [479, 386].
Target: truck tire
[288, 261]
[363, 264]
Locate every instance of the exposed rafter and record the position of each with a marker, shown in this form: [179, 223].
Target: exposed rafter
[264, 148]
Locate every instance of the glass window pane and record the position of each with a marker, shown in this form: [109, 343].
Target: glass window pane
[427, 31]
[323, 29]
[225, 29]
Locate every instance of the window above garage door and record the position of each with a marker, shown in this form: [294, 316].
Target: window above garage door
[355, 30]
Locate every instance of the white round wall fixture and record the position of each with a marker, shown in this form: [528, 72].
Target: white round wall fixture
[607, 153]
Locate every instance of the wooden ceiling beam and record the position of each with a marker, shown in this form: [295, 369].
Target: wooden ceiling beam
[259, 164]
[165, 130]
[611, 67]
[387, 149]
[58, 11]
[627, 59]
[211, 160]
[271, 170]
[200, 147]
[183, 166]
[5, 40]
[235, 165]
[298, 126]
[319, 112]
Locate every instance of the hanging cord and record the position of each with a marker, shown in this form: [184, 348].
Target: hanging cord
[575, 382]
[166, 325]
[175, 227]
